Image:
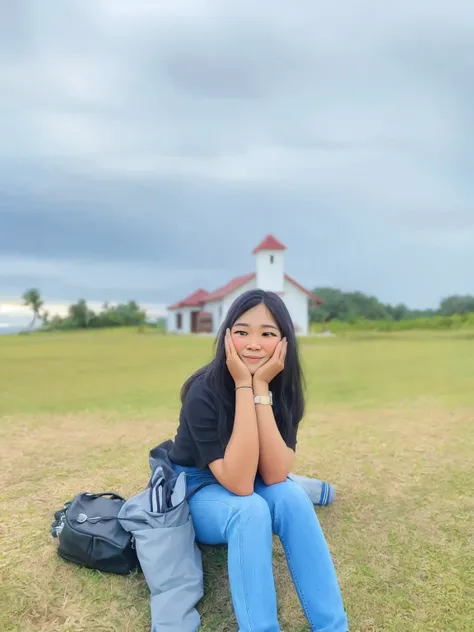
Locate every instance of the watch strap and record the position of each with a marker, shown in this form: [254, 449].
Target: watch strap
[264, 399]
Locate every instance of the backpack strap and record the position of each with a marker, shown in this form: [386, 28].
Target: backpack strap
[198, 488]
[101, 494]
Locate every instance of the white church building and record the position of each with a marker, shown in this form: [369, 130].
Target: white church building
[204, 312]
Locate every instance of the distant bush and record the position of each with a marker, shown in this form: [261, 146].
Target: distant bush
[81, 317]
[350, 307]
[456, 321]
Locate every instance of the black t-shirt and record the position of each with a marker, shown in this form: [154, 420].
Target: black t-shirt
[197, 442]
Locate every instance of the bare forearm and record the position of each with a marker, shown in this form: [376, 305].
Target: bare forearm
[275, 458]
[242, 453]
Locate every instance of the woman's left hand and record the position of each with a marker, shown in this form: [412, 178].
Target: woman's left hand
[275, 365]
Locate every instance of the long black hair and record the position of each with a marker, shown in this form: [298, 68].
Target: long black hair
[287, 386]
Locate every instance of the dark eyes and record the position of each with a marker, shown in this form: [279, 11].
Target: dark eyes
[245, 333]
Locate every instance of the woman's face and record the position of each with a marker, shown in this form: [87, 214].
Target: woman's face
[255, 335]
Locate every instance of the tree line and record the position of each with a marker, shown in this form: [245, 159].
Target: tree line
[338, 306]
[354, 306]
[80, 316]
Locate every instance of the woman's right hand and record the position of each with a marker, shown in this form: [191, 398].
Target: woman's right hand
[238, 370]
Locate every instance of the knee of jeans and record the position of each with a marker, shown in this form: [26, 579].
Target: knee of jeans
[289, 495]
[253, 510]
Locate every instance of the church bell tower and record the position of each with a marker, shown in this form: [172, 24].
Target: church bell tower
[270, 269]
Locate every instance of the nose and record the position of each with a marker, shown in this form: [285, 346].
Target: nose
[253, 345]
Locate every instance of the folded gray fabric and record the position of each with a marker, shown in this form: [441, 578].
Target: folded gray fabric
[166, 549]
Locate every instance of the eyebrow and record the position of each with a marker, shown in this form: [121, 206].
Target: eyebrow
[246, 325]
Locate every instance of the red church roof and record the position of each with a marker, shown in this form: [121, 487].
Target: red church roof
[200, 297]
[313, 297]
[229, 287]
[195, 299]
[269, 243]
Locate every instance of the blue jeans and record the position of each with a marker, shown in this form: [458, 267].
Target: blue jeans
[246, 524]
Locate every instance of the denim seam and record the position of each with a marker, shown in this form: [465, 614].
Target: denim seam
[239, 532]
[297, 585]
[244, 588]
[293, 574]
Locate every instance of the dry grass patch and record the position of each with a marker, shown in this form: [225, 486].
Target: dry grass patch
[400, 529]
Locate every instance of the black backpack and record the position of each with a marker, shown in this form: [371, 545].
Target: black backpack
[90, 534]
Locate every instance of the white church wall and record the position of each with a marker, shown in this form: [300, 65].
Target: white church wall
[214, 308]
[171, 321]
[270, 270]
[297, 304]
[185, 320]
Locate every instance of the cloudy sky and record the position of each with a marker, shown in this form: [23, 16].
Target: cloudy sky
[146, 147]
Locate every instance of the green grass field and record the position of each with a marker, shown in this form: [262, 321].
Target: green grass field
[390, 421]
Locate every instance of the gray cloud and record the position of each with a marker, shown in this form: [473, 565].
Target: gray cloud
[147, 147]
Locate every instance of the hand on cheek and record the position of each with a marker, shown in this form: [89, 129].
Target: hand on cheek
[239, 344]
[271, 346]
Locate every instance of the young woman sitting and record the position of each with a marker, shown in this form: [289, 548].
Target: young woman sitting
[238, 429]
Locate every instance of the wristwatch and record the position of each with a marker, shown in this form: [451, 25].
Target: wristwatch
[264, 399]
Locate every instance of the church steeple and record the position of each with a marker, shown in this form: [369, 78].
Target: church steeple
[269, 243]
[270, 264]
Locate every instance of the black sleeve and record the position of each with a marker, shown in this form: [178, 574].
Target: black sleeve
[202, 418]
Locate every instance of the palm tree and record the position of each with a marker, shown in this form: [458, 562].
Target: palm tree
[32, 298]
